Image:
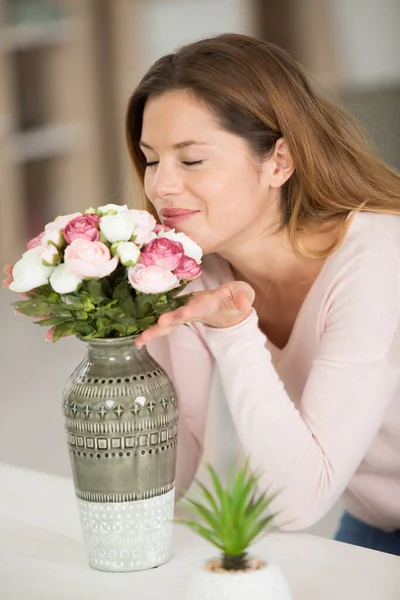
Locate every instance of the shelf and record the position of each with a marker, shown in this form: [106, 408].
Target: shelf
[34, 35]
[44, 142]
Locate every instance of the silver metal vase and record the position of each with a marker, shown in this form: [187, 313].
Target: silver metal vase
[121, 418]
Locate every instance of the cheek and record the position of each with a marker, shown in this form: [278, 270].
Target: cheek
[229, 191]
[147, 183]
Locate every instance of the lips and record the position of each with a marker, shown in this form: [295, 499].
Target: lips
[173, 217]
[176, 212]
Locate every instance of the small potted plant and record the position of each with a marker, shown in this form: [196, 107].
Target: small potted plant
[231, 518]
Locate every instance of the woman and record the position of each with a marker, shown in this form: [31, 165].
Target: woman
[299, 303]
[298, 306]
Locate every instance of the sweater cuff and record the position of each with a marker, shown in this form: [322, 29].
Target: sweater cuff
[229, 331]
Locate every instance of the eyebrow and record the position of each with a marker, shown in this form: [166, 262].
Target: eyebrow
[180, 145]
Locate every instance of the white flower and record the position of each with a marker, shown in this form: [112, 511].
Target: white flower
[119, 227]
[127, 223]
[29, 272]
[50, 256]
[63, 281]
[190, 247]
[128, 253]
[113, 208]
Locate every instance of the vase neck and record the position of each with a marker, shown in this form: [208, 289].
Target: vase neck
[110, 349]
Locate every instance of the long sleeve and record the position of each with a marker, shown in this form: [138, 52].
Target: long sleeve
[189, 363]
[308, 450]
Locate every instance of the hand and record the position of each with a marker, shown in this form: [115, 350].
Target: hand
[8, 280]
[6, 284]
[226, 306]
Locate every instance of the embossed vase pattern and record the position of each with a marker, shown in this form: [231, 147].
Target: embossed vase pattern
[121, 418]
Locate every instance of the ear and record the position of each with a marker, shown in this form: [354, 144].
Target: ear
[281, 164]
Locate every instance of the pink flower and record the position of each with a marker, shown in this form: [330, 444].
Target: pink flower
[144, 237]
[53, 230]
[34, 242]
[84, 227]
[152, 280]
[161, 229]
[162, 252]
[89, 259]
[187, 269]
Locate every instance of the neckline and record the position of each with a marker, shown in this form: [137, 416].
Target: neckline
[275, 350]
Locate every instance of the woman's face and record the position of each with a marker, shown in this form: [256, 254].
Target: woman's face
[203, 180]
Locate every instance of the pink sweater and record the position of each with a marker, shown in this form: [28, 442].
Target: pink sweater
[322, 416]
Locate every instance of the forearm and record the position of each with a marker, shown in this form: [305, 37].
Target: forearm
[306, 454]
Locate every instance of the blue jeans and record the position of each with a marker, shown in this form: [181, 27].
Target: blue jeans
[353, 531]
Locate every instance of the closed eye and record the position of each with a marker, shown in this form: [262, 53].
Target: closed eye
[185, 162]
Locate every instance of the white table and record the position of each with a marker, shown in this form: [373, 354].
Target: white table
[42, 555]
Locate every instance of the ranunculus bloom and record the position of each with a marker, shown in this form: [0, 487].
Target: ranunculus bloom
[118, 227]
[187, 269]
[161, 229]
[152, 280]
[34, 242]
[53, 230]
[84, 227]
[128, 225]
[128, 253]
[162, 253]
[63, 281]
[50, 255]
[191, 249]
[112, 208]
[89, 259]
[144, 227]
[30, 272]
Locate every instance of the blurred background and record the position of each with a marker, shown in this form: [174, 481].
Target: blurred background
[67, 69]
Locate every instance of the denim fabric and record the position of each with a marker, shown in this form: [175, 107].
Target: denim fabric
[353, 531]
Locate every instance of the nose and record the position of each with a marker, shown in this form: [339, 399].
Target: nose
[165, 181]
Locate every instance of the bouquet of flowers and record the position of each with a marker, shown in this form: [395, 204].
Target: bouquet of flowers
[109, 272]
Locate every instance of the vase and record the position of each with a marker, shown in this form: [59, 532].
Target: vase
[121, 420]
[265, 582]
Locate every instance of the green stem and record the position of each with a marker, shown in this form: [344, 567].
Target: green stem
[237, 562]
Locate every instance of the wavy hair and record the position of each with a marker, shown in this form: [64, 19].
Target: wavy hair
[259, 92]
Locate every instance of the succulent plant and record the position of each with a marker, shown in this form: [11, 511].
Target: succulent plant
[230, 517]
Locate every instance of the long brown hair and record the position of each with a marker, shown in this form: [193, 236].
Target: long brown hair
[259, 92]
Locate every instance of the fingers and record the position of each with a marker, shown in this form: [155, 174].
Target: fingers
[243, 302]
[49, 335]
[8, 280]
[151, 334]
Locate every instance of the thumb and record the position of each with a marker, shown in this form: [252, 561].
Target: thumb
[244, 302]
[244, 296]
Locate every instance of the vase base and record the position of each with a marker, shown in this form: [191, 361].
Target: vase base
[128, 536]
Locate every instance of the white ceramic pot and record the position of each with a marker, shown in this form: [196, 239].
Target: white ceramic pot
[266, 583]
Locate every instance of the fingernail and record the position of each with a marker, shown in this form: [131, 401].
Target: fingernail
[17, 312]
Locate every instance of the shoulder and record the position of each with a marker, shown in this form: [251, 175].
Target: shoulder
[371, 248]
[361, 286]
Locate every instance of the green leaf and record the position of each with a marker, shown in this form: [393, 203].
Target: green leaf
[208, 496]
[231, 517]
[94, 289]
[204, 513]
[202, 531]
[70, 328]
[258, 528]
